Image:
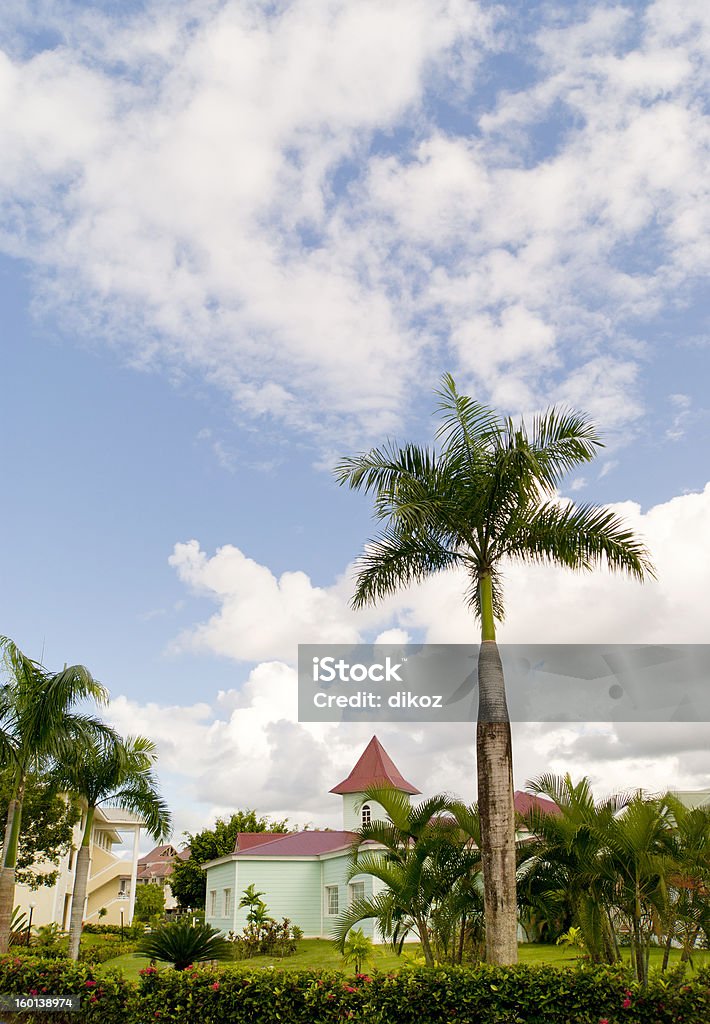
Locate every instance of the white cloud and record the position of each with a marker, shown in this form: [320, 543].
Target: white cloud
[218, 190]
[244, 747]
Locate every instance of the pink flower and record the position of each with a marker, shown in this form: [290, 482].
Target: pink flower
[349, 988]
[215, 986]
[33, 991]
[603, 1020]
[626, 1003]
[94, 999]
[90, 984]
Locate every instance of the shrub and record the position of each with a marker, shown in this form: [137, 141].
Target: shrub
[266, 939]
[584, 994]
[182, 944]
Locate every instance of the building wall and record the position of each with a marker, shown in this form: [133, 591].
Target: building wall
[291, 888]
[219, 878]
[335, 874]
[352, 811]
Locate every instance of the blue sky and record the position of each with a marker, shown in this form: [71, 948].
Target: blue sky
[238, 240]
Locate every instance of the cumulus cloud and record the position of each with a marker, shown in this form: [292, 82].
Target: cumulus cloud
[271, 198]
[245, 747]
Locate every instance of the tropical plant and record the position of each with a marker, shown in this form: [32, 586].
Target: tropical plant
[487, 497]
[38, 723]
[120, 773]
[416, 842]
[635, 862]
[358, 949]
[688, 881]
[560, 868]
[182, 944]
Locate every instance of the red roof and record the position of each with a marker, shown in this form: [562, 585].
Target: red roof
[526, 802]
[375, 768]
[247, 840]
[302, 844]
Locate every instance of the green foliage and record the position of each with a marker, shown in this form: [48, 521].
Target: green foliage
[188, 881]
[266, 938]
[107, 1000]
[50, 940]
[358, 949]
[586, 994]
[48, 820]
[182, 944]
[150, 900]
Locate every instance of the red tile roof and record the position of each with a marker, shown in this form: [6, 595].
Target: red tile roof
[375, 768]
[302, 844]
[247, 840]
[526, 802]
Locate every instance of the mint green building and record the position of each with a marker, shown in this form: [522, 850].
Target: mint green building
[304, 875]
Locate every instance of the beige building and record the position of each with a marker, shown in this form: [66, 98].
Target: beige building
[112, 878]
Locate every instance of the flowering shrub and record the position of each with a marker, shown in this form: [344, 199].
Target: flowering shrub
[482, 995]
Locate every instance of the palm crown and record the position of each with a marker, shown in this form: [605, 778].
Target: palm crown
[487, 495]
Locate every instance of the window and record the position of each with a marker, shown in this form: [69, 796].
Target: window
[357, 891]
[213, 902]
[365, 815]
[331, 900]
[227, 902]
[70, 865]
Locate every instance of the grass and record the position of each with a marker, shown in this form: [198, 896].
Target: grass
[319, 954]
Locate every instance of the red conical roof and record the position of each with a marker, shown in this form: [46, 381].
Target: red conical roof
[375, 768]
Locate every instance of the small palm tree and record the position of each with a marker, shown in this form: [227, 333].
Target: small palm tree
[358, 949]
[120, 773]
[38, 724]
[182, 944]
[487, 497]
[414, 842]
[560, 864]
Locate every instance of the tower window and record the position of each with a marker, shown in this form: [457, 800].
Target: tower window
[365, 815]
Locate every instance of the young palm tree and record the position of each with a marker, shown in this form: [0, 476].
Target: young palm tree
[121, 774]
[560, 862]
[688, 880]
[486, 497]
[422, 854]
[38, 723]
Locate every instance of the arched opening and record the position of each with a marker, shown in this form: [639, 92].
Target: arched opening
[365, 816]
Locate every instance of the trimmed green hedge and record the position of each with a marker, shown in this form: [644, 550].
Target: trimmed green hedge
[481, 995]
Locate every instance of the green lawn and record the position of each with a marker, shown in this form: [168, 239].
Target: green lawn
[319, 954]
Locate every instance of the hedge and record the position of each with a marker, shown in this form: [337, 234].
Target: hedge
[481, 995]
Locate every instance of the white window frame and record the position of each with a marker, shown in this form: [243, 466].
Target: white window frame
[332, 898]
[213, 902]
[227, 894]
[365, 815]
[356, 891]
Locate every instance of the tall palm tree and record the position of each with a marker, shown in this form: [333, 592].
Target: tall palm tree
[38, 723]
[486, 497]
[121, 774]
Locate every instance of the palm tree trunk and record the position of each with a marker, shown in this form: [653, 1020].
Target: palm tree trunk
[81, 881]
[424, 939]
[7, 874]
[495, 794]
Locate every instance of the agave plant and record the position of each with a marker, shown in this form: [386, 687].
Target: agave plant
[181, 944]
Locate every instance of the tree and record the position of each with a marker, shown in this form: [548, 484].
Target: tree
[150, 900]
[187, 881]
[424, 856]
[38, 723]
[561, 861]
[46, 836]
[486, 497]
[121, 773]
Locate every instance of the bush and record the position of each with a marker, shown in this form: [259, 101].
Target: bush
[266, 939]
[182, 944]
[103, 1001]
[483, 995]
[107, 951]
